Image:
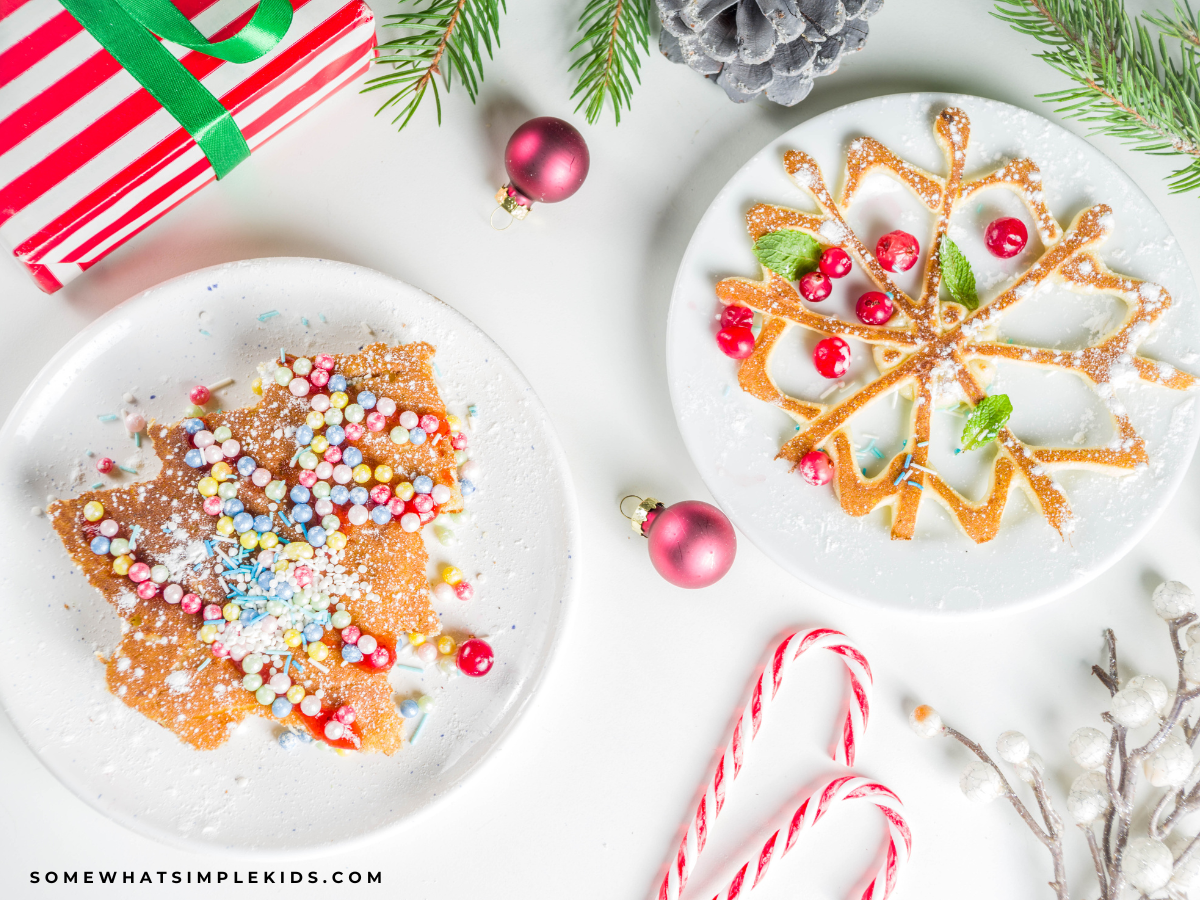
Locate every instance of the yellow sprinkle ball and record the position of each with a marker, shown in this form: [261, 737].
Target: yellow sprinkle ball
[269, 540]
[336, 541]
[454, 422]
[446, 645]
[318, 651]
[93, 511]
[221, 471]
[256, 386]
[208, 633]
[295, 694]
[280, 566]
[416, 639]
[383, 474]
[231, 611]
[320, 444]
[451, 575]
[225, 526]
[338, 399]
[249, 540]
[404, 490]
[362, 473]
[207, 486]
[291, 637]
[315, 420]
[298, 550]
[121, 564]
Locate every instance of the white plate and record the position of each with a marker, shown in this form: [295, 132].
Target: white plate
[733, 438]
[249, 794]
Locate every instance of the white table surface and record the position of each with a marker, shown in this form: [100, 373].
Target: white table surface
[586, 797]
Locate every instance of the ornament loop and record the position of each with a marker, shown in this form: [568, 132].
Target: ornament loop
[645, 507]
[492, 219]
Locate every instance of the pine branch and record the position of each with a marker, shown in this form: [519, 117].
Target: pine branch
[615, 34]
[1132, 87]
[441, 37]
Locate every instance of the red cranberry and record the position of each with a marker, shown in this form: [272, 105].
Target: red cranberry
[475, 657]
[1006, 237]
[874, 308]
[897, 251]
[737, 315]
[815, 287]
[832, 357]
[104, 465]
[816, 468]
[736, 341]
[835, 262]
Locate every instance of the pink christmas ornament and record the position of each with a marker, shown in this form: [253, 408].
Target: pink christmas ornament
[692, 544]
[547, 161]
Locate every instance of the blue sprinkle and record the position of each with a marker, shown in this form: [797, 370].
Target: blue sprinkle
[232, 506]
[282, 357]
[286, 520]
[351, 654]
[205, 333]
[409, 668]
[359, 495]
[336, 383]
[246, 466]
[194, 458]
[287, 740]
[313, 632]
[466, 487]
[472, 410]
[243, 522]
[208, 550]
[192, 426]
[108, 417]
[380, 515]
[352, 456]
[100, 545]
[917, 486]
[302, 512]
[304, 321]
[300, 494]
[420, 727]
[321, 316]
[335, 434]
[304, 436]
[268, 315]
[316, 535]
[262, 524]
[409, 709]
[97, 485]
[422, 484]
[436, 370]
[417, 436]
[200, 668]
[897, 481]
[908, 461]
[137, 441]
[365, 399]
[339, 495]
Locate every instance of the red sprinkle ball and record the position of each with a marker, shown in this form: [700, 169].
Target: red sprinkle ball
[816, 468]
[104, 465]
[874, 308]
[835, 262]
[897, 251]
[1006, 237]
[815, 286]
[832, 357]
[475, 657]
[200, 395]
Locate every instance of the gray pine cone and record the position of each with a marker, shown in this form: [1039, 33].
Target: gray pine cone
[752, 46]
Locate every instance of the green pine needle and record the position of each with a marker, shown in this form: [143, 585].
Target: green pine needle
[1131, 86]
[615, 34]
[441, 37]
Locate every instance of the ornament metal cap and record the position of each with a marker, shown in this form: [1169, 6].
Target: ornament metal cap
[510, 199]
[637, 521]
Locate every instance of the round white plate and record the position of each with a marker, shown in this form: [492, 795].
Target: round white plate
[733, 438]
[250, 794]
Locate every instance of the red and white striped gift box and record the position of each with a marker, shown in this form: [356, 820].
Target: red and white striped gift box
[88, 158]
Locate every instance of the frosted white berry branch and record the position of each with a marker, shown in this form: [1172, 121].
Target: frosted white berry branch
[1107, 791]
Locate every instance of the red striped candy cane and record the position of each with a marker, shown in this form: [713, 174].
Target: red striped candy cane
[843, 788]
[749, 720]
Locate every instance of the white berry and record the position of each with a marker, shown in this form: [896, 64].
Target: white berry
[1088, 747]
[1088, 797]
[1185, 875]
[980, 782]
[925, 721]
[1173, 599]
[1012, 747]
[1033, 763]
[1156, 689]
[1171, 763]
[1132, 707]
[1147, 864]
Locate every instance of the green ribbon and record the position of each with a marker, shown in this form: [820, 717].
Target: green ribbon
[126, 29]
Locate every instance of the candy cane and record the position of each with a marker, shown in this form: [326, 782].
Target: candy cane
[846, 787]
[766, 686]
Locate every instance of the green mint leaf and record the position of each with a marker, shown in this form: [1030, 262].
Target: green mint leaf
[957, 275]
[788, 253]
[986, 421]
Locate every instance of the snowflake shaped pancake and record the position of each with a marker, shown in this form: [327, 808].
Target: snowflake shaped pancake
[930, 343]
